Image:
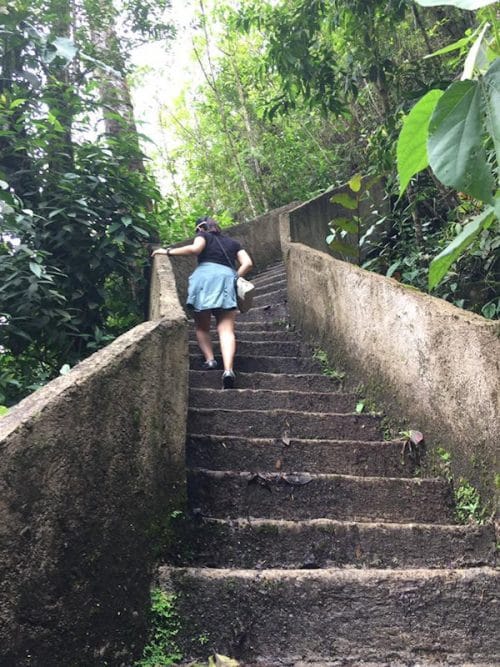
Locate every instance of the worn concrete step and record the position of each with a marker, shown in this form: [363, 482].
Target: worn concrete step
[275, 313]
[228, 494]
[272, 272]
[272, 285]
[320, 543]
[242, 325]
[278, 381]
[342, 457]
[280, 423]
[273, 296]
[447, 617]
[254, 348]
[267, 399]
[265, 364]
[256, 336]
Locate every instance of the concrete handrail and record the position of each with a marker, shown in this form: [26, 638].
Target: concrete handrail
[89, 466]
[418, 355]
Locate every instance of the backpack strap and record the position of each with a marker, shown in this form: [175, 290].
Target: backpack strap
[224, 251]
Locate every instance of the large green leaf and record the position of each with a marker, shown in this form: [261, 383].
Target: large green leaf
[473, 55]
[440, 265]
[463, 41]
[344, 248]
[355, 182]
[345, 200]
[461, 4]
[490, 86]
[350, 225]
[455, 147]
[412, 142]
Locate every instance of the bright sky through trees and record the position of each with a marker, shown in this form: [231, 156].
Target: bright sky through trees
[162, 70]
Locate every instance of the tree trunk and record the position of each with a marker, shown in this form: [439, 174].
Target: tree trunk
[211, 81]
[116, 101]
[251, 135]
[60, 93]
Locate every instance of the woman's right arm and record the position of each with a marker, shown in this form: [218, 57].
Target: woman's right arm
[193, 248]
[245, 262]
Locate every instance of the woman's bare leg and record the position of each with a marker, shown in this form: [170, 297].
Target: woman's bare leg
[202, 322]
[225, 329]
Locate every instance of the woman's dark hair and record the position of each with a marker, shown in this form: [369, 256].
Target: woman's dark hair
[208, 224]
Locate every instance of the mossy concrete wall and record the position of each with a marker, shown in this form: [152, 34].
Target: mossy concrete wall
[425, 360]
[89, 466]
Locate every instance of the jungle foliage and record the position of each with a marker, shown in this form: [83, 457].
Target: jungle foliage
[77, 206]
[287, 98]
[301, 95]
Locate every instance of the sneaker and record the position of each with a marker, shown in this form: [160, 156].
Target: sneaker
[228, 378]
[209, 365]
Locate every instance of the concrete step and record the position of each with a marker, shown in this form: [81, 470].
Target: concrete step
[274, 313]
[270, 273]
[243, 328]
[242, 325]
[254, 348]
[267, 399]
[342, 457]
[278, 381]
[228, 494]
[264, 364]
[446, 617]
[272, 285]
[279, 423]
[256, 336]
[270, 296]
[320, 543]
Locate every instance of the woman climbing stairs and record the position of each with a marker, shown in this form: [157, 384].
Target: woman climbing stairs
[313, 542]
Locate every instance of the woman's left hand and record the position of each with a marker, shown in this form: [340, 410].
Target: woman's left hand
[160, 251]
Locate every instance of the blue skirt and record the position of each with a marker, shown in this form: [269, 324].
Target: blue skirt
[212, 286]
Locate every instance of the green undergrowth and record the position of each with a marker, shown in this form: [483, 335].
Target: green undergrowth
[469, 506]
[328, 370]
[162, 649]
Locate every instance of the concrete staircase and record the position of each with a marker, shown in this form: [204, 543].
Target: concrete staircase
[312, 540]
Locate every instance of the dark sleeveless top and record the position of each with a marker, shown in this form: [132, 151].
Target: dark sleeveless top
[213, 251]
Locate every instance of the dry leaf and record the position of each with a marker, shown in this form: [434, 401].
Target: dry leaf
[285, 439]
[222, 661]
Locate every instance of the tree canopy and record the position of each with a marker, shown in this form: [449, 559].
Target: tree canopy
[289, 98]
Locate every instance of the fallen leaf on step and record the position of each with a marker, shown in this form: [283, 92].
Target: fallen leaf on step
[262, 479]
[222, 661]
[278, 464]
[285, 439]
[416, 437]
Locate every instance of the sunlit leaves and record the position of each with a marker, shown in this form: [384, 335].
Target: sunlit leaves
[345, 200]
[412, 143]
[355, 182]
[461, 4]
[474, 54]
